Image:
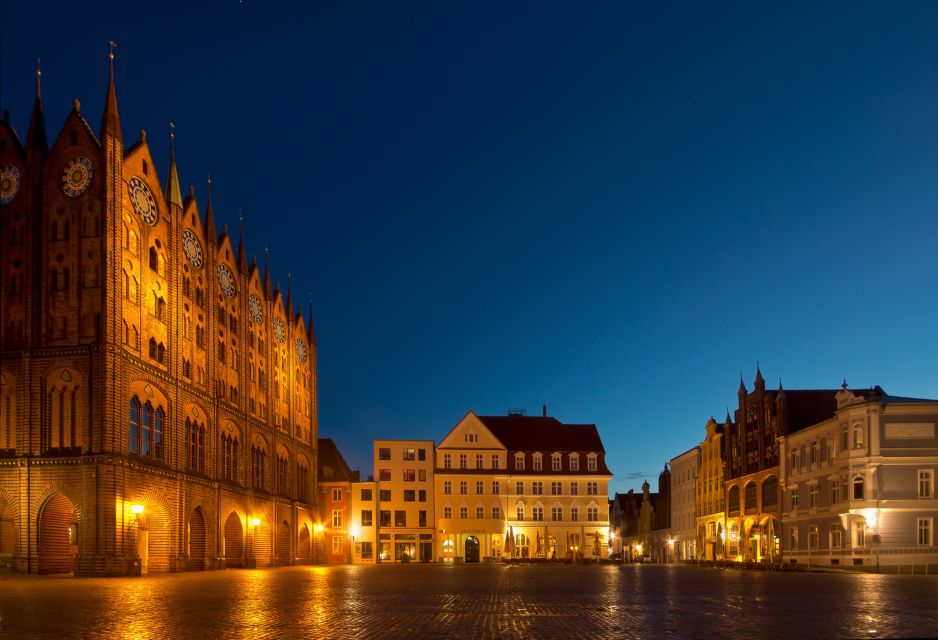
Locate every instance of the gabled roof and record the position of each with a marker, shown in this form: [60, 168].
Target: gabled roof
[545, 434]
[332, 466]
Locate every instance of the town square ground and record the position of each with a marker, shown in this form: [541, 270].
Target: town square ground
[480, 601]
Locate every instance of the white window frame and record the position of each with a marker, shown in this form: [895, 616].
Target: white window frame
[926, 526]
[926, 483]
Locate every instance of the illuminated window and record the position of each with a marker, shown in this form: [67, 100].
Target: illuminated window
[337, 545]
[400, 518]
[793, 538]
[366, 518]
[519, 512]
[337, 518]
[812, 495]
[858, 488]
[410, 454]
[794, 499]
[384, 475]
[924, 528]
[812, 538]
[337, 494]
[836, 537]
[410, 475]
[925, 483]
[857, 436]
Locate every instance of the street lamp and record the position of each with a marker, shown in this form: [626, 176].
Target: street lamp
[137, 564]
[252, 561]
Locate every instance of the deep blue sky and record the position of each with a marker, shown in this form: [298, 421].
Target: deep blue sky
[612, 209]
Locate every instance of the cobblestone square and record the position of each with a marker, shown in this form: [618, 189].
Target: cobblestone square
[481, 601]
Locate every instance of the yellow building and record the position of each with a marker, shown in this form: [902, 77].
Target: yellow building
[404, 480]
[521, 487]
[711, 519]
[159, 395]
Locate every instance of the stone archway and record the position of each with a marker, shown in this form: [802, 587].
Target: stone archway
[234, 541]
[198, 541]
[7, 529]
[303, 550]
[58, 535]
[283, 543]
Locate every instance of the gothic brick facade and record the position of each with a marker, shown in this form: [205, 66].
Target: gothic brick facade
[157, 395]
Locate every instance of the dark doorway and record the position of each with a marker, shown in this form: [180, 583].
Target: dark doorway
[58, 535]
[472, 549]
[234, 538]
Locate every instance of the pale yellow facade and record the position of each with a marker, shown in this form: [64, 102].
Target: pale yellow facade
[711, 518]
[404, 527]
[494, 503]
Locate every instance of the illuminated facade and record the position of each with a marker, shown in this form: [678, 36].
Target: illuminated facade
[711, 520]
[364, 521]
[333, 532]
[684, 471]
[157, 394]
[521, 487]
[751, 452]
[404, 530]
[859, 488]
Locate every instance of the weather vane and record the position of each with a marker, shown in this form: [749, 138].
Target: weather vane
[112, 45]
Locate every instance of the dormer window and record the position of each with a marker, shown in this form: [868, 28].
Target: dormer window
[472, 437]
[574, 462]
[538, 462]
[519, 462]
[591, 462]
[555, 462]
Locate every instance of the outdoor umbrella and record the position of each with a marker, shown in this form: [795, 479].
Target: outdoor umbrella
[509, 541]
[538, 551]
[596, 549]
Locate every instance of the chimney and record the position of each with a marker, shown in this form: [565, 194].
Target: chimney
[544, 410]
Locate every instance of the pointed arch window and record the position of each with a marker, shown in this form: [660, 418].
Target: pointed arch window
[134, 424]
[154, 260]
[195, 439]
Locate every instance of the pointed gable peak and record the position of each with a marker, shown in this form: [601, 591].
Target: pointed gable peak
[759, 378]
[742, 385]
[173, 193]
[111, 122]
[36, 139]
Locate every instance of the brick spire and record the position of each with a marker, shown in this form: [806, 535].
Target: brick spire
[209, 229]
[36, 139]
[111, 123]
[173, 194]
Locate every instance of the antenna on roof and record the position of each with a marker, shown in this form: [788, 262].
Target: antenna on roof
[516, 412]
[544, 410]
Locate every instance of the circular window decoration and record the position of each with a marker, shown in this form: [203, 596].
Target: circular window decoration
[192, 247]
[257, 311]
[300, 350]
[77, 176]
[142, 200]
[226, 280]
[9, 183]
[279, 333]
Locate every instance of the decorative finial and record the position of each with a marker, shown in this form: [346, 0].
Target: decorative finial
[38, 77]
[844, 385]
[143, 135]
[77, 105]
[172, 133]
[241, 217]
[209, 179]
[191, 191]
[112, 45]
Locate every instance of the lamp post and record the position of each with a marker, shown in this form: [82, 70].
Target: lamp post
[318, 529]
[252, 561]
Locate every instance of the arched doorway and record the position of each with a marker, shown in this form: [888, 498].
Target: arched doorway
[58, 535]
[234, 541]
[7, 529]
[198, 543]
[304, 547]
[283, 543]
[522, 546]
[154, 545]
[472, 549]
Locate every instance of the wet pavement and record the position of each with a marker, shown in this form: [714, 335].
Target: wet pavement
[472, 601]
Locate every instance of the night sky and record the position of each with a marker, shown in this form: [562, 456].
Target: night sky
[613, 209]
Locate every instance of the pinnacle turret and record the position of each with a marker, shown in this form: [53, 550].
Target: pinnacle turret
[36, 139]
[210, 236]
[173, 193]
[111, 122]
